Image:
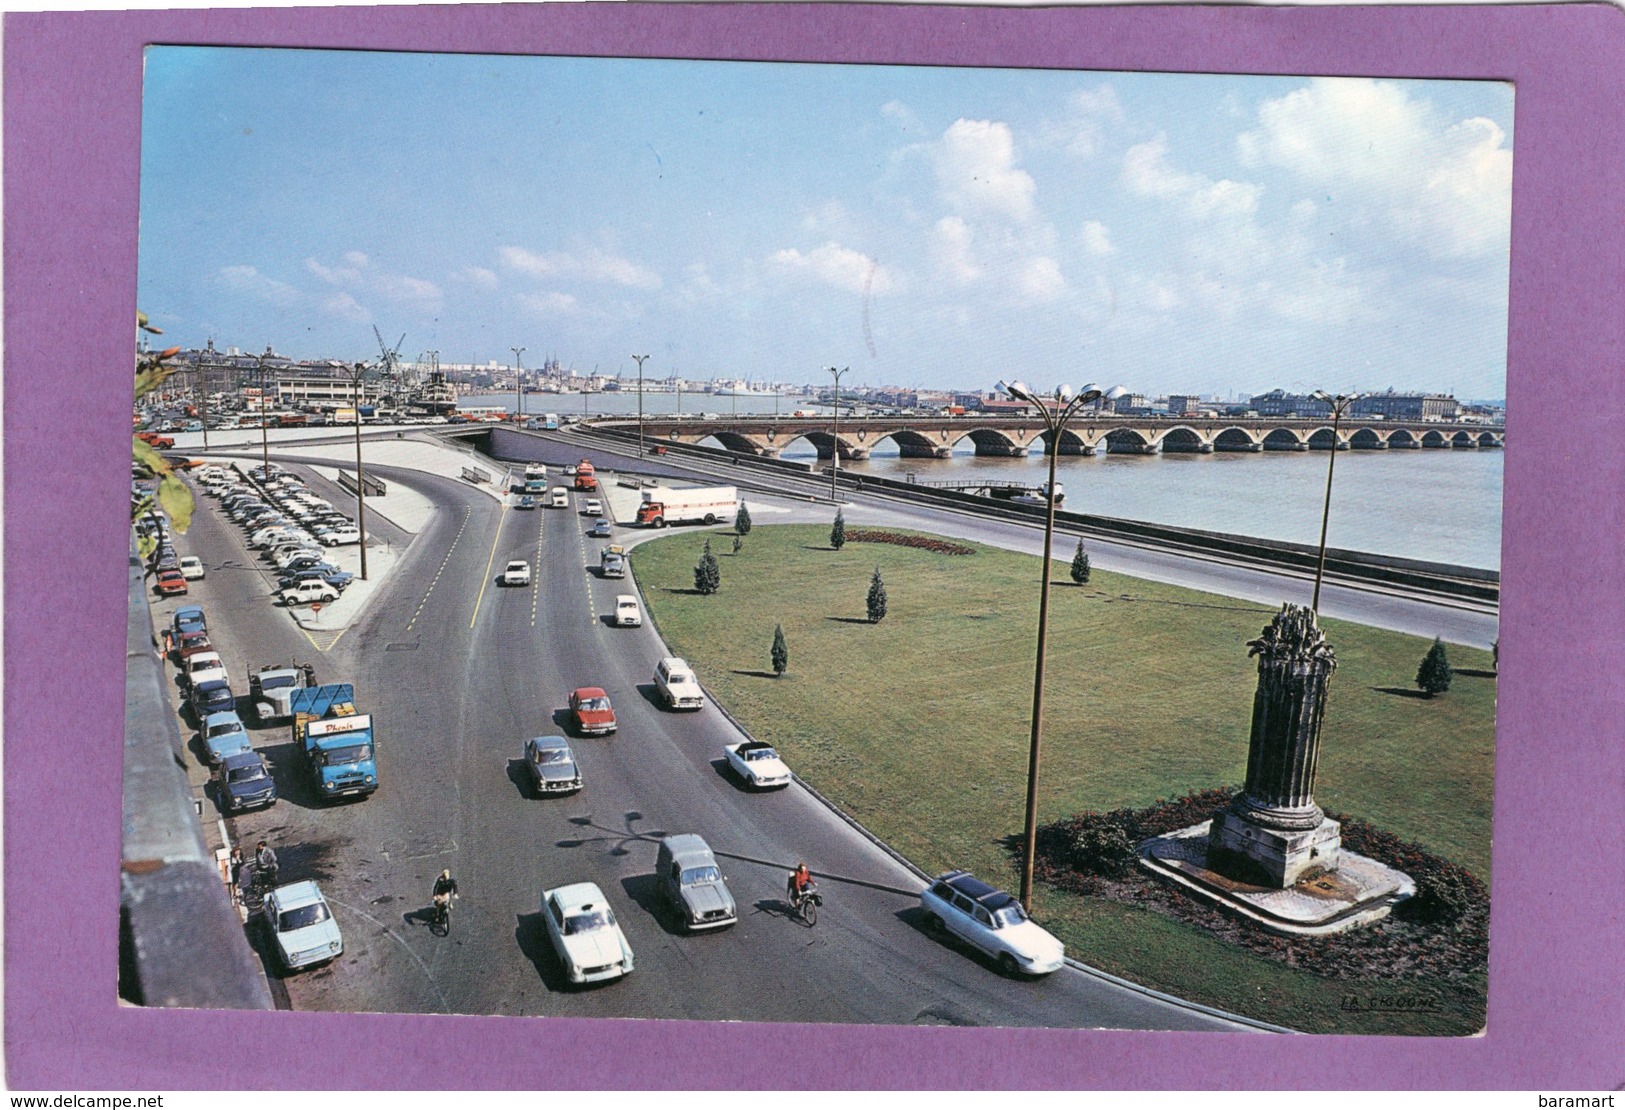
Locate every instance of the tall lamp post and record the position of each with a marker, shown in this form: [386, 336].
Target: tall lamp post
[640, 360]
[835, 446]
[360, 477]
[1056, 411]
[265, 435]
[1340, 405]
[518, 390]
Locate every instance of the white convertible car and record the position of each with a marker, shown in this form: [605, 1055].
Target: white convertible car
[758, 764]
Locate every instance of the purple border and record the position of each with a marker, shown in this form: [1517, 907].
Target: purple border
[72, 99]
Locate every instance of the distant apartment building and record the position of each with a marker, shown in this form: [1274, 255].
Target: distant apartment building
[1184, 405]
[1407, 406]
[1132, 404]
[1280, 403]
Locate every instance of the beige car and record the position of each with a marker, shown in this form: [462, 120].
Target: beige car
[627, 613]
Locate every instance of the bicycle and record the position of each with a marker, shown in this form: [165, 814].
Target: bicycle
[261, 881]
[440, 915]
[805, 905]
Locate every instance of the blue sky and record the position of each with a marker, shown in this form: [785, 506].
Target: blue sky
[926, 227]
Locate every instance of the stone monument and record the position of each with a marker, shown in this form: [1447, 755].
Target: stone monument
[1273, 855]
[1274, 833]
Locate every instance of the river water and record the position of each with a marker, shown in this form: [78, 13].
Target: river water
[1443, 506]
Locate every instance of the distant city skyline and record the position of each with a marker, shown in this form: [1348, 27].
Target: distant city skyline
[928, 227]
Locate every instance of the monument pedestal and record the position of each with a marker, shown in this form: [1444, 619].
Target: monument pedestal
[1279, 857]
[1319, 903]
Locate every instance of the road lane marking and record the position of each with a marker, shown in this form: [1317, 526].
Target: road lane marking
[438, 573]
[445, 1004]
[536, 583]
[489, 563]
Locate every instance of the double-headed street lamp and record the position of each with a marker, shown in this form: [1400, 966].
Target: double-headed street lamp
[265, 435]
[835, 447]
[640, 360]
[1056, 410]
[360, 477]
[1339, 404]
[518, 390]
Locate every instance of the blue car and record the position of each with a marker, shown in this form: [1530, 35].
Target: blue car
[224, 735]
[213, 696]
[334, 577]
[245, 782]
[189, 618]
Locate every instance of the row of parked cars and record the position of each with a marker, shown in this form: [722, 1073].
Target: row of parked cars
[289, 525]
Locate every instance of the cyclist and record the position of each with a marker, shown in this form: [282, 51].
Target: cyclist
[797, 885]
[445, 889]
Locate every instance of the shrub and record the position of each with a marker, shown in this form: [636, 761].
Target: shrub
[1080, 565]
[781, 651]
[742, 522]
[1434, 675]
[877, 598]
[837, 532]
[707, 574]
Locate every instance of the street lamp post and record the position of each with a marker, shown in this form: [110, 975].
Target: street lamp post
[360, 477]
[1339, 404]
[1066, 405]
[518, 390]
[640, 360]
[265, 435]
[835, 446]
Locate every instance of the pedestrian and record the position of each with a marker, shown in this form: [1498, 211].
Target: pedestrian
[310, 674]
[236, 865]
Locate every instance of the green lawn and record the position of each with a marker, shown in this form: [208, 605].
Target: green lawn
[919, 726]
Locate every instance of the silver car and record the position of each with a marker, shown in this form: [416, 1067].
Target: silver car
[552, 765]
[690, 880]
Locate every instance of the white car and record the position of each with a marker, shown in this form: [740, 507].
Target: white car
[988, 919]
[345, 535]
[191, 567]
[302, 926]
[517, 574]
[758, 764]
[584, 933]
[205, 666]
[593, 507]
[307, 592]
[627, 613]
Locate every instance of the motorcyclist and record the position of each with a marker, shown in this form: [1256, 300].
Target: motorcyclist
[797, 885]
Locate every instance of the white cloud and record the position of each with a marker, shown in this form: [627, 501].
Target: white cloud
[1097, 240]
[345, 307]
[477, 276]
[591, 264]
[1081, 128]
[1147, 172]
[1040, 279]
[976, 169]
[548, 304]
[247, 279]
[1446, 184]
[837, 266]
[357, 275]
[901, 114]
[951, 241]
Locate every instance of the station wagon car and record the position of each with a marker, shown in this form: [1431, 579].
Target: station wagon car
[991, 921]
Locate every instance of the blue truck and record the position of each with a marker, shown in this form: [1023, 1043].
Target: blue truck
[339, 744]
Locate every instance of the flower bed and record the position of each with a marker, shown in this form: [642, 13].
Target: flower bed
[1442, 932]
[906, 539]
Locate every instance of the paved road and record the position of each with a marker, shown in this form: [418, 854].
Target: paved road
[457, 673]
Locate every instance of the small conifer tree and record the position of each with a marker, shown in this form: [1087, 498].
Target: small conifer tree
[781, 651]
[742, 521]
[1434, 675]
[708, 574]
[739, 541]
[1080, 565]
[877, 598]
[837, 533]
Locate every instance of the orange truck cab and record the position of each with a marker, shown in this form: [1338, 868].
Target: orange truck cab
[585, 480]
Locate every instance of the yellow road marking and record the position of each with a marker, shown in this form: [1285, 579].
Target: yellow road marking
[489, 563]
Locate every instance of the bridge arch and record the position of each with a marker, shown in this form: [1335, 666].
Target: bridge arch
[1402, 437]
[1285, 439]
[1127, 441]
[1237, 439]
[1321, 439]
[1434, 438]
[1366, 439]
[1183, 441]
[1464, 439]
[1488, 439]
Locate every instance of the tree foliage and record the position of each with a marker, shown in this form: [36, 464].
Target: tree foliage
[171, 495]
[742, 521]
[837, 532]
[877, 598]
[1434, 675]
[708, 573]
[781, 651]
[1080, 565]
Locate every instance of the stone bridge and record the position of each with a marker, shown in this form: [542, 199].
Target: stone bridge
[935, 437]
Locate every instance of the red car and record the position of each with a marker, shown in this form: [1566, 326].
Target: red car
[591, 711]
[170, 582]
[191, 643]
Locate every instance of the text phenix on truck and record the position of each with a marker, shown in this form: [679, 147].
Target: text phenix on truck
[338, 743]
[701, 505]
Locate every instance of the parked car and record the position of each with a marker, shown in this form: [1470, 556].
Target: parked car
[338, 579]
[188, 618]
[601, 529]
[190, 644]
[991, 921]
[204, 666]
[346, 535]
[213, 696]
[170, 583]
[627, 613]
[689, 879]
[591, 712]
[758, 764]
[223, 735]
[242, 781]
[552, 765]
[517, 574]
[191, 568]
[307, 593]
[302, 926]
[584, 933]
